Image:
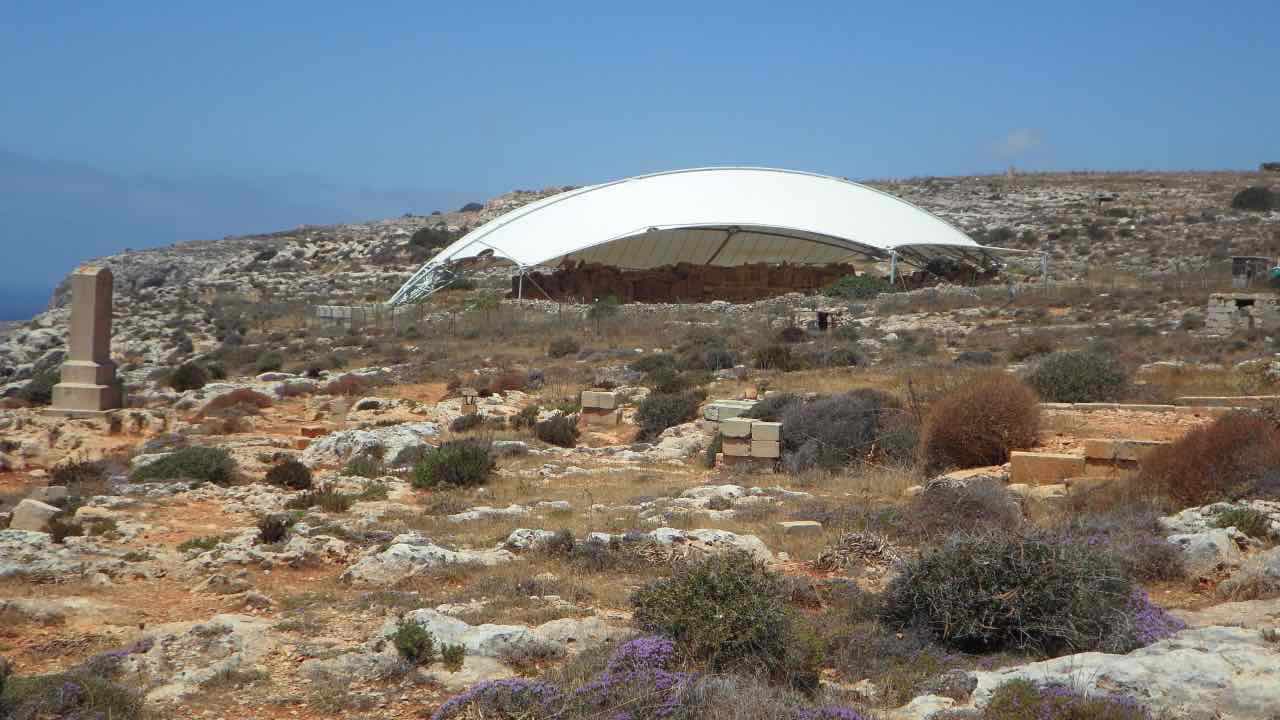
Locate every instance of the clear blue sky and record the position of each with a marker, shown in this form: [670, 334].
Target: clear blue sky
[480, 98]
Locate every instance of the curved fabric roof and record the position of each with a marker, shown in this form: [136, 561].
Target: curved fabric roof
[713, 216]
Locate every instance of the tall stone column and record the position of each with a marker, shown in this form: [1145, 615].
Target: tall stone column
[88, 382]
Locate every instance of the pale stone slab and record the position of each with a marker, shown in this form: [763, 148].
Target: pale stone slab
[1033, 468]
[800, 527]
[736, 428]
[736, 447]
[761, 430]
[766, 449]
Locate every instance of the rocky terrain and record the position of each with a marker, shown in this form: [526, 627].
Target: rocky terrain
[414, 516]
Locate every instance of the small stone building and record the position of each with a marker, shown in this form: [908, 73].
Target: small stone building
[1231, 312]
[1248, 271]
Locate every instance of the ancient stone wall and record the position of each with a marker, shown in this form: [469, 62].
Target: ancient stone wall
[677, 283]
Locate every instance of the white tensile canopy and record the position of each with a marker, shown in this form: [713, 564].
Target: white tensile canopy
[710, 216]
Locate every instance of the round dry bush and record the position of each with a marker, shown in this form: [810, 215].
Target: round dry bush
[1236, 455]
[563, 346]
[980, 422]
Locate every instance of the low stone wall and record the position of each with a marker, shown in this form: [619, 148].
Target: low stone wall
[677, 283]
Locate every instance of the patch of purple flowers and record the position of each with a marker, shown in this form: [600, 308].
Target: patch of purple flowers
[1150, 621]
[639, 677]
[514, 697]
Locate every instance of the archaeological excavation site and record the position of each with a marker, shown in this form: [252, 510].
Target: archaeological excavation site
[712, 444]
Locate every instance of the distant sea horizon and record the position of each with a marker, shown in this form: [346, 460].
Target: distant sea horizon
[23, 303]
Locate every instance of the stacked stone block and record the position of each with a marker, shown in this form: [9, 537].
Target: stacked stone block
[1232, 312]
[600, 407]
[744, 440]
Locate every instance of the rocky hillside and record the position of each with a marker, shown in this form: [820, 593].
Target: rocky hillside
[1133, 224]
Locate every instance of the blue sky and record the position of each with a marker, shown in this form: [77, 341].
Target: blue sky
[439, 101]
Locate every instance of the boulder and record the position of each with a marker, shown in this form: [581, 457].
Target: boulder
[32, 515]
[1210, 551]
[396, 444]
[410, 554]
[1231, 671]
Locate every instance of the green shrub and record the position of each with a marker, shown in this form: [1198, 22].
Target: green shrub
[558, 430]
[457, 463]
[526, 418]
[1078, 376]
[980, 421]
[857, 287]
[838, 430]
[273, 529]
[1236, 455]
[792, 334]
[1258, 198]
[269, 362]
[39, 389]
[452, 657]
[1023, 700]
[213, 465]
[203, 544]
[290, 474]
[562, 347]
[365, 466]
[979, 505]
[771, 408]
[661, 411]
[1031, 345]
[414, 642]
[189, 376]
[325, 497]
[775, 357]
[727, 610]
[1254, 523]
[649, 364]
[80, 693]
[996, 591]
[465, 423]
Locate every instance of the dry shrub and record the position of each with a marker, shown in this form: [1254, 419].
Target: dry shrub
[1236, 455]
[979, 423]
[242, 401]
[508, 381]
[979, 505]
[344, 385]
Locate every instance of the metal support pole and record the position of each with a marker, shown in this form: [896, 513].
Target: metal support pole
[893, 267]
[520, 286]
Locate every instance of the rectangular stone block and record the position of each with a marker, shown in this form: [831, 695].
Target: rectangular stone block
[1033, 468]
[736, 428]
[800, 527]
[313, 431]
[736, 447]
[761, 430]
[600, 399]
[1125, 450]
[721, 410]
[766, 449]
[598, 416]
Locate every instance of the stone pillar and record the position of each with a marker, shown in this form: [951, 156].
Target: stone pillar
[88, 384]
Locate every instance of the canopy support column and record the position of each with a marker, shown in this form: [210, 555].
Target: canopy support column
[520, 285]
[893, 267]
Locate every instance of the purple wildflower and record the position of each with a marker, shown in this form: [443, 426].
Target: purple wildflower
[515, 696]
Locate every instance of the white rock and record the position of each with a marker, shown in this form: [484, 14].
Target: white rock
[32, 515]
[1228, 670]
